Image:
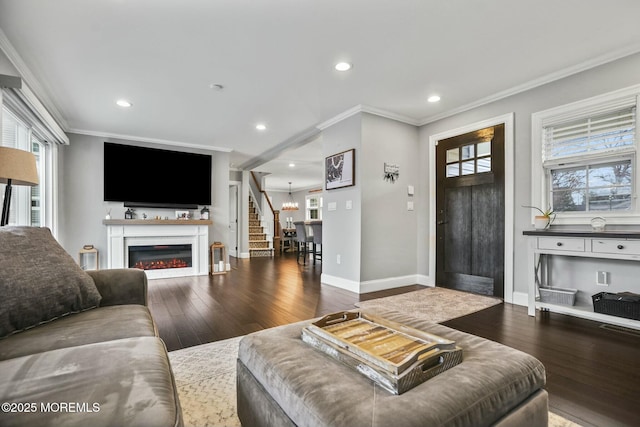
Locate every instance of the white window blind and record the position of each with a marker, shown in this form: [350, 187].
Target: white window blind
[597, 135]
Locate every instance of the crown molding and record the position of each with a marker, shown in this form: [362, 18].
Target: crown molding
[370, 110]
[31, 81]
[389, 115]
[532, 84]
[150, 140]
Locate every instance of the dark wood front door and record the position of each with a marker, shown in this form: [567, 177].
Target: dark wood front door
[470, 212]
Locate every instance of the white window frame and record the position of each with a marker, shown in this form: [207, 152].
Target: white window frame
[540, 175]
[22, 194]
[308, 209]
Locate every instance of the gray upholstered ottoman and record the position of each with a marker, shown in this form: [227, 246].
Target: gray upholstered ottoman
[284, 382]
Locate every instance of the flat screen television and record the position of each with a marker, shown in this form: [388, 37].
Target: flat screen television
[150, 177]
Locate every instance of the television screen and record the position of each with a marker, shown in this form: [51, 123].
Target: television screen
[149, 177]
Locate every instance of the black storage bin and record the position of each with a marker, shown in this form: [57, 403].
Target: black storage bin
[623, 304]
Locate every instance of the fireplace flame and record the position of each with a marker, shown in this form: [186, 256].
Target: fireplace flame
[161, 264]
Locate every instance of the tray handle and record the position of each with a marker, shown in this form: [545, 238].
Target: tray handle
[331, 319]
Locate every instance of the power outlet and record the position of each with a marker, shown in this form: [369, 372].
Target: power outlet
[602, 278]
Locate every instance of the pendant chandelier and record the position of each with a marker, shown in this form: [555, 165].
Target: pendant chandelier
[290, 205]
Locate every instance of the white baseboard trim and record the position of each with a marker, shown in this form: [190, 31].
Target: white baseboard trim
[521, 298]
[425, 280]
[244, 255]
[339, 282]
[374, 285]
[388, 283]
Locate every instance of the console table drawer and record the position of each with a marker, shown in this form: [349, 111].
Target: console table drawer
[627, 247]
[561, 244]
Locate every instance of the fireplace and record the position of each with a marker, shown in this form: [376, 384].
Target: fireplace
[130, 233]
[160, 257]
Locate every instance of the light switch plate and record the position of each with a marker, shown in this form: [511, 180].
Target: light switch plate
[409, 206]
[331, 206]
[410, 190]
[349, 204]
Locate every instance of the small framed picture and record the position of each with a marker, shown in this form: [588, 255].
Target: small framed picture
[182, 214]
[340, 169]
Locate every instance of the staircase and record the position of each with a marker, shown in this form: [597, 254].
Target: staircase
[258, 243]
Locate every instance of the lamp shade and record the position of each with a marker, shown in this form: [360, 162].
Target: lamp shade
[19, 166]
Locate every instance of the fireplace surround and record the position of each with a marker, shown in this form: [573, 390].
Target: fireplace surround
[125, 238]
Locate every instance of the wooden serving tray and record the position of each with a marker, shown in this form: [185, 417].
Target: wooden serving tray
[393, 355]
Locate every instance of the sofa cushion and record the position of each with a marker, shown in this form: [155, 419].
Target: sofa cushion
[314, 389]
[124, 382]
[88, 327]
[39, 281]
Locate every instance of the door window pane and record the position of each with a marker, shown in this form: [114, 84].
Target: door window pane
[484, 148]
[469, 159]
[453, 155]
[484, 165]
[467, 152]
[468, 167]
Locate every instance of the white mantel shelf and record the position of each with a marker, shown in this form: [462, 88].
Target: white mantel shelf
[122, 233]
[157, 222]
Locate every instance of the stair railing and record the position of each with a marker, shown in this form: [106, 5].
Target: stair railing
[276, 217]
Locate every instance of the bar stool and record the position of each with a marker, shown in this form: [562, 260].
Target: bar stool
[316, 229]
[302, 239]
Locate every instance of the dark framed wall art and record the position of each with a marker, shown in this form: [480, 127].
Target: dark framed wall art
[340, 170]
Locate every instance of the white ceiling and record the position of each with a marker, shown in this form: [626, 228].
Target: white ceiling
[275, 60]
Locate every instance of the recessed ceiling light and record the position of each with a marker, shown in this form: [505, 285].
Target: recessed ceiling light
[123, 103]
[433, 98]
[343, 66]
[261, 126]
[292, 165]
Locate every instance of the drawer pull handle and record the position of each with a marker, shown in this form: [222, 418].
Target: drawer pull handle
[620, 247]
[559, 244]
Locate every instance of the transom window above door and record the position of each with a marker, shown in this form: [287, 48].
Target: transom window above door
[469, 159]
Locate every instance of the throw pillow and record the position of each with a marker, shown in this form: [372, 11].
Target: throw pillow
[39, 280]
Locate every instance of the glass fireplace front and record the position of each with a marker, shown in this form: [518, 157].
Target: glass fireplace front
[155, 257]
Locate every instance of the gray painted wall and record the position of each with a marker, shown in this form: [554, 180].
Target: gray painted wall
[376, 239]
[6, 67]
[81, 195]
[609, 77]
[388, 228]
[341, 228]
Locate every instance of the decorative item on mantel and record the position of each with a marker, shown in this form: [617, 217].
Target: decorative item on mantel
[543, 221]
[183, 215]
[129, 214]
[291, 205]
[204, 213]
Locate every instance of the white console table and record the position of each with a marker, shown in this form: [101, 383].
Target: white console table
[605, 245]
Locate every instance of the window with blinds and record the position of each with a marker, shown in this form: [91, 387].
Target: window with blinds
[611, 133]
[589, 157]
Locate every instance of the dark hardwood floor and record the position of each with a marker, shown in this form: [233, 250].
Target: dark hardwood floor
[593, 372]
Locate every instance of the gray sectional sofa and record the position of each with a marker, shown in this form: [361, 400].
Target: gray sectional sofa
[77, 348]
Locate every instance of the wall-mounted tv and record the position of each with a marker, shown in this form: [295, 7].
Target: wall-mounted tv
[150, 177]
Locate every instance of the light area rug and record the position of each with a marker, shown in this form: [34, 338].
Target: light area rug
[433, 304]
[206, 380]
